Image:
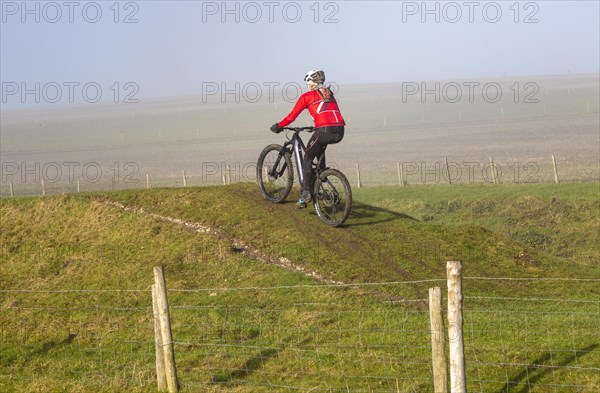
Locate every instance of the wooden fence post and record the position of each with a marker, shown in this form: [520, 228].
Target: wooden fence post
[43, 188]
[184, 179]
[493, 168]
[358, 175]
[12, 194]
[438, 342]
[148, 183]
[165, 328]
[161, 376]
[555, 170]
[448, 171]
[458, 379]
[400, 174]
[78, 186]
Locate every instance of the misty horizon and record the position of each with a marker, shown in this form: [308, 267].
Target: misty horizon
[169, 49]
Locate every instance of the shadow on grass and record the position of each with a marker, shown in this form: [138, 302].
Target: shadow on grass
[249, 367]
[50, 345]
[7, 357]
[533, 373]
[363, 214]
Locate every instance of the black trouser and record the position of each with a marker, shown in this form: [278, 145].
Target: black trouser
[322, 137]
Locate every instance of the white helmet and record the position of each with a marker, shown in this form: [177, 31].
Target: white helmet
[316, 76]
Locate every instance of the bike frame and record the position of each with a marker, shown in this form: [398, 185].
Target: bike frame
[297, 147]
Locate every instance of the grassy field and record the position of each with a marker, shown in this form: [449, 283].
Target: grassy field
[274, 300]
[105, 146]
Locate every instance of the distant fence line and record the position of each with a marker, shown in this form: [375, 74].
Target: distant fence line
[204, 339]
[446, 172]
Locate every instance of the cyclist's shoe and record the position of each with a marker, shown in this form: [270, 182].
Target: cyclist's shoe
[306, 196]
[304, 199]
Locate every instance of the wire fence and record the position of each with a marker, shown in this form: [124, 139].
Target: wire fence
[24, 180]
[296, 338]
[75, 340]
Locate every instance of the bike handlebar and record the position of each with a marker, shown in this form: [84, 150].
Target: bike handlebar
[298, 129]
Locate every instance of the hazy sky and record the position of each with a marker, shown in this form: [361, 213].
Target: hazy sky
[172, 47]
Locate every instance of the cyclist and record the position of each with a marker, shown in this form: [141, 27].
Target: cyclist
[329, 124]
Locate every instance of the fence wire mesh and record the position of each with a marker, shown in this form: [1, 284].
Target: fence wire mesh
[296, 338]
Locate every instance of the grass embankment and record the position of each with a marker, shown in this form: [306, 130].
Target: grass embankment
[232, 336]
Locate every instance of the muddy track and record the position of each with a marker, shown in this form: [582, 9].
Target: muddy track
[248, 250]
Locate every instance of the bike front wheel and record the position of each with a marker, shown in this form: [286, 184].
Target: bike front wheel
[332, 197]
[274, 173]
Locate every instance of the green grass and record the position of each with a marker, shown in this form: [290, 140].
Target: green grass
[554, 219]
[244, 325]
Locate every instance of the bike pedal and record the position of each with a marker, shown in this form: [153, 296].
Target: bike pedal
[302, 205]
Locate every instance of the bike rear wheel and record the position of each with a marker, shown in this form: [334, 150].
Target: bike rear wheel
[274, 173]
[332, 197]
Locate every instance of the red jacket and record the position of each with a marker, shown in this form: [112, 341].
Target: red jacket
[323, 113]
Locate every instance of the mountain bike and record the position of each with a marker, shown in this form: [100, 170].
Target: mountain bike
[330, 189]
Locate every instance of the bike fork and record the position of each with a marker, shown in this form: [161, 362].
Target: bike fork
[273, 172]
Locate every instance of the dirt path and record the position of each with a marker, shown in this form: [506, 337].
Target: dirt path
[236, 244]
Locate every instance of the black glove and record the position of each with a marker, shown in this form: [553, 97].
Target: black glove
[276, 129]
